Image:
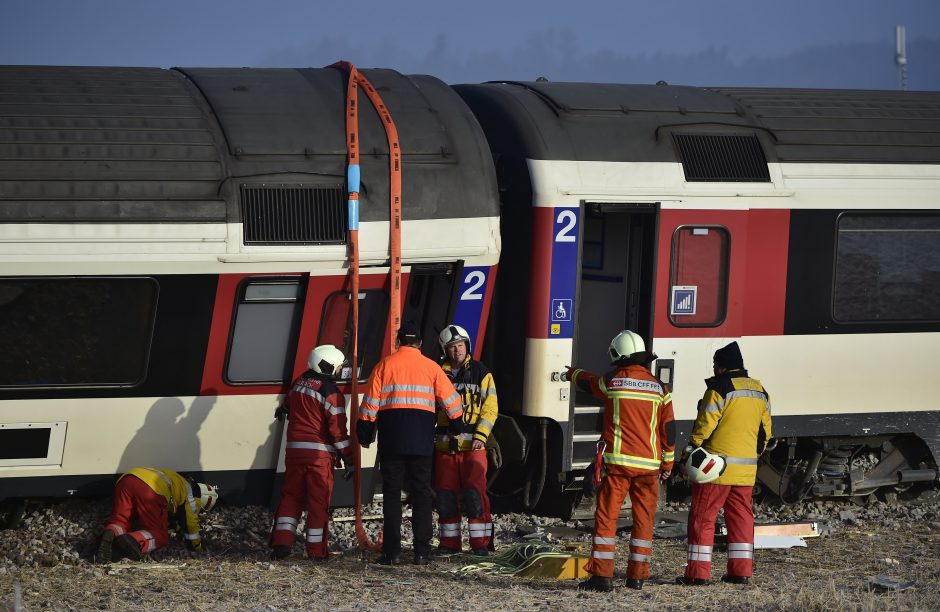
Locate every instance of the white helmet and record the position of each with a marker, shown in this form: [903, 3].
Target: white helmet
[208, 496]
[703, 466]
[326, 359]
[452, 334]
[626, 344]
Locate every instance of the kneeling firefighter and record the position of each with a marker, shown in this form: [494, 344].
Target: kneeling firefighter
[460, 461]
[155, 497]
[316, 439]
[639, 442]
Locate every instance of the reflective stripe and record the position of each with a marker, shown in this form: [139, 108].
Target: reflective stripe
[669, 456]
[639, 557]
[481, 532]
[453, 398]
[311, 392]
[334, 409]
[605, 541]
[713, 407]
[368, 411]
[602, 554]
[635, 384]
[151, 543]
[314, 539]
[746, 393]
[189, 498]
[191, 536]
[698, 548]
[740, 554]
[485, 423]
[629, 460]
[449, 529]
[453, 412]
[489, 391]
[342, 444]
[700, 557]
[445, 438]
[286, 523]
[312, 446]
[397, 400]
[117, 529]
[471, 387]
[316, 531]
[643, 543]
[741, 460]
[368, 399]
[740, 546]
[418, 388]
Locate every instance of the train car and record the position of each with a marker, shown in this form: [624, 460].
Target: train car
[173, 243]
[804, 224]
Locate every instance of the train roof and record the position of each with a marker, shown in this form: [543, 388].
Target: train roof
[608, 122]
[147, 144]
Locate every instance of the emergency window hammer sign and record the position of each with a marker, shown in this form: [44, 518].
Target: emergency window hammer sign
[565, 230]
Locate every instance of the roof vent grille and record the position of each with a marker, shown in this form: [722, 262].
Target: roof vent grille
[293, 214]
[729, 158]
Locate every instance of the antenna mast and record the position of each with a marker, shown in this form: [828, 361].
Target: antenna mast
[900, 56]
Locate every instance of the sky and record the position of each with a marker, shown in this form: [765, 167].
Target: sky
[793, 43]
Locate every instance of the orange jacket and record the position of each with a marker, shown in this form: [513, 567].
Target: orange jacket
[401, 399]
[639, 427]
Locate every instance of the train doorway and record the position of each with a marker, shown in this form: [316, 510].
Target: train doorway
[616, 280]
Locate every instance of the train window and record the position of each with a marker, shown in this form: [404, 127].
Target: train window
[887, 268]
[75, 332]
[699, 276]
[264, 336]
[336, 326]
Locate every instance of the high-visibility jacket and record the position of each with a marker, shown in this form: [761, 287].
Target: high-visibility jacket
[474, 382]
[401, 401]
[734, 421]
[639, 427]
[317, 418]
[180, 501]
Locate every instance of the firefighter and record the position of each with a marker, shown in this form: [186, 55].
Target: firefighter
[638, 441]
[460, 462]
[154, 497]
[400, 406]
[734, 423]
[317, 441]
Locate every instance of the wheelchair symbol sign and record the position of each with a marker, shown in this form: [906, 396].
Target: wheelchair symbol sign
[561, 310]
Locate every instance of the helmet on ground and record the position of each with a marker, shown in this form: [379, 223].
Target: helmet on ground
[453, 334]
[326, 360]
[626, 344]
[703, 466]
[208, 496]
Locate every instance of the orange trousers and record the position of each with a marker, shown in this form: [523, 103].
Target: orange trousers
[643, 488]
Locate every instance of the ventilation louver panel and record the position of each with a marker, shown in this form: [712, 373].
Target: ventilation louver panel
[722, 158]
[293, 214]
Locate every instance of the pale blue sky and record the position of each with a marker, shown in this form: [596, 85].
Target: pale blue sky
[843, 43]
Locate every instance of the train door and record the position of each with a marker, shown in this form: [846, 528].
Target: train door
[429, 302]
[615, 293]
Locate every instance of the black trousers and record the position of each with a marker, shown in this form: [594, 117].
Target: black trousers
[416, 471]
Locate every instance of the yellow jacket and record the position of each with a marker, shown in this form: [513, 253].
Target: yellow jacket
[474, 382]
[734, 422]
[179, 499]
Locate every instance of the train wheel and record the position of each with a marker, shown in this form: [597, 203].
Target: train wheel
[12, 512]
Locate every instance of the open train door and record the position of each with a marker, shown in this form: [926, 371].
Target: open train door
[615, 292]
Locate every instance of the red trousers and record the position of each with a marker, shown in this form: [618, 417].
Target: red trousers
[308, 485]
[643, 488]
[134, 499]
[453, 473]
[707, 500]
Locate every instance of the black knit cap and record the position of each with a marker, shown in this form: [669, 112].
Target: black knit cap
[729, 357]
[409, 332]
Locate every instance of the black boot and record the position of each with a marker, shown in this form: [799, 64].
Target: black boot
[103, 555]
[735, 579]
[129, 547]
[634, 583]
[280, 552]
[685, 580]
[387, 559]
[601, 584]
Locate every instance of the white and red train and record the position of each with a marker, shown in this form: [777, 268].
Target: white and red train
[173, 243]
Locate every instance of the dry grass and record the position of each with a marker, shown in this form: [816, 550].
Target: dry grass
[831, 574]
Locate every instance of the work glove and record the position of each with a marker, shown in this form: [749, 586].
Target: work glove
[281, 413]
[349, 468]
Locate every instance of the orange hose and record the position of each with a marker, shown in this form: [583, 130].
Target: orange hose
[394, 316]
